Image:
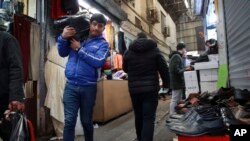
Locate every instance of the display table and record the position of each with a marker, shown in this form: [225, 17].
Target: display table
[112, 100]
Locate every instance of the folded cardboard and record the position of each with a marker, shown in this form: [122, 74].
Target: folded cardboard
[206, 65]
[191, 82]
[213, 57]
[208, 86]
[112, 100]
[208, 75]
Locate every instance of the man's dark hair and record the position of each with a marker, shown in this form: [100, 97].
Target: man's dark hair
[99, 18]
[180, 46]
[141, 35]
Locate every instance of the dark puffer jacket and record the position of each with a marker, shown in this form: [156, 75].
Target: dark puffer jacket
[142, 62]
[11, 78]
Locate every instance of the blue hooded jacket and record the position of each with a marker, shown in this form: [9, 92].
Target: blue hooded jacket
[83, 66]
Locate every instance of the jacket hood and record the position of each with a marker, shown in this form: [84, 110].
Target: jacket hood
[142, 45]
[173, 53]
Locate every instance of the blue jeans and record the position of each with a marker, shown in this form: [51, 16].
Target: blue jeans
[76, 97]
[145, 105]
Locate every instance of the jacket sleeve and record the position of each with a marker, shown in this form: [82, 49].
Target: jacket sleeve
[163, 70]
[95, 59]
[178, 64]
[16, 90]
[63, 46]
[124, 62]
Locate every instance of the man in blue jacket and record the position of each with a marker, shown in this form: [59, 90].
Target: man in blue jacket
[82, 71]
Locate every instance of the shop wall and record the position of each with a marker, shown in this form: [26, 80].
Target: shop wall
[134, 13]
[172, 40]
[138, 9]
[186, 32]
[157, 28]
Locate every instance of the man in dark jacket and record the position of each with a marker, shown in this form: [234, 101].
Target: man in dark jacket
[176, 70]
[11, 78]
[142, 62]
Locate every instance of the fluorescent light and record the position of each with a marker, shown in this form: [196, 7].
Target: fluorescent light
[186, 3]
[84, 4]
[91, 9]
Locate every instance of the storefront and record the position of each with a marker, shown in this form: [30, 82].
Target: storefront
[232, 31]
[237, 27]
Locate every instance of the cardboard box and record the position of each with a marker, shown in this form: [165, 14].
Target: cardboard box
[191, 82]
[206, 65]
[208, 86]
[213, 57]
[112, 100]
[209, 75]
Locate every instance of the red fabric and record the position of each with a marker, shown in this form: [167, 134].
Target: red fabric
[107, 65]
[22, 34]
[31, 131]
[204, 138]
[56, 10]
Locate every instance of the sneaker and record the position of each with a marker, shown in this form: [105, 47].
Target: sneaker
[163, 91]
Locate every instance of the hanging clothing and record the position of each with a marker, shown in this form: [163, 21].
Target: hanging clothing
[22, 34]
[35, 36]
[117, 59]
[55, 81]
[109, 34]
[121, 43]
[56, 10]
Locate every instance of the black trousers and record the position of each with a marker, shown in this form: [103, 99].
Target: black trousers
[145, 105]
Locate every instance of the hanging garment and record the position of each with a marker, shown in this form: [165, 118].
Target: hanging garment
[121, 43]
[22, 34]
[55, 81]
[109, 34]
[35, 38]
[56, 10]
[28, 88]
[117, 59]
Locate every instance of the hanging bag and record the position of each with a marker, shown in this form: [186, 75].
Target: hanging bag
[20, 130]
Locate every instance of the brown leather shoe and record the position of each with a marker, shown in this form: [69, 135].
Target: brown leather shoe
[222, 95]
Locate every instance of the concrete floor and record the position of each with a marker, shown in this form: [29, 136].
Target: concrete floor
[122, 128]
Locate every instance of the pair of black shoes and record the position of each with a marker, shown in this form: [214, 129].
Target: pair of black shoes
[221, 96]
[197, 121]
[228, 117]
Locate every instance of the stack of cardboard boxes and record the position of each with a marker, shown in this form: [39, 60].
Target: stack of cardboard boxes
[206, 80]
[208, 72]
